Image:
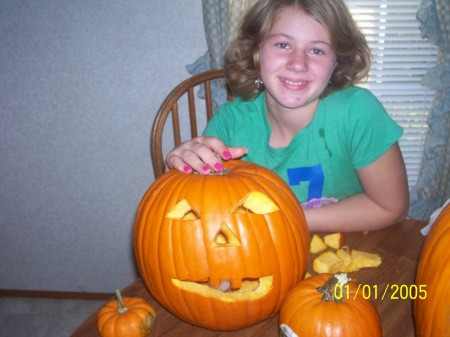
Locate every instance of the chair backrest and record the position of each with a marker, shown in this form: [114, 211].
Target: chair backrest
[170, 106]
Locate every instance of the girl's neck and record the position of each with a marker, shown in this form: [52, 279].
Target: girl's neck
[286, 123]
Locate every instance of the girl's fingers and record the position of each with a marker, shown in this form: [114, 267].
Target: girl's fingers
[202, 154]
[237, 152]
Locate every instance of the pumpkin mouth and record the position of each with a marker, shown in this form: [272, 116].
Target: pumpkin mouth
[251, 289]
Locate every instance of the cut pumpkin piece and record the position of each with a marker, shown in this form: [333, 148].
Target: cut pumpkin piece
[327, 262]
[362, 259]
[317, 245]
[342, 260]
[345, 256]
[335, 240]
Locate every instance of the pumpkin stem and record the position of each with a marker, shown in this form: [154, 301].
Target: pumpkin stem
[224, 172]
[150, 320]
[328, 290]
[122, 308]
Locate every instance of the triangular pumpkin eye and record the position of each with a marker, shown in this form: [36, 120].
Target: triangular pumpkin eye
[255, 202]
[225, 238]
[183, 211]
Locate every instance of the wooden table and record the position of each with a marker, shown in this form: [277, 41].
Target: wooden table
[399, 246]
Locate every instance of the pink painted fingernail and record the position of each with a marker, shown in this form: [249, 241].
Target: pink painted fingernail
[205, 168]
[218, 167]
[187, 169]
[227, 155]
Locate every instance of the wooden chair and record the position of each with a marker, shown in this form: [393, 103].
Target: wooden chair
[170, 105]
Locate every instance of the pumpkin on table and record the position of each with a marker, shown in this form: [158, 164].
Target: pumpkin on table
[315, 307]
[221, 251]
[125, 317]
[432, 303]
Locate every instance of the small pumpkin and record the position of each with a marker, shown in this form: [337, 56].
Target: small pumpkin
[315, 307]
[125, 317]
[221, 251]
[432, 303]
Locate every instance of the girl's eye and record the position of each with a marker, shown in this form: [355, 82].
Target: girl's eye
[317, 52]
[282, 45]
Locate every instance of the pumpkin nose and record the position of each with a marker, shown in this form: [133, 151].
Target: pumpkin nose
[225, 238]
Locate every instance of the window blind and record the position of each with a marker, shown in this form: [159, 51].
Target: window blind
[400, 58]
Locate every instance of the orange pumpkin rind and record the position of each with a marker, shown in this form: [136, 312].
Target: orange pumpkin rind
[244, 228]
[125, 317]
[327, 305]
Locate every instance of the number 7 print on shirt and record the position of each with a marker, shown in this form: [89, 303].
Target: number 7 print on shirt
[315, 177]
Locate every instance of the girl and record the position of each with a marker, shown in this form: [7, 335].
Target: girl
[293, 67]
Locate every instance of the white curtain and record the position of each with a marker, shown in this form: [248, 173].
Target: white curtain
[220, 19]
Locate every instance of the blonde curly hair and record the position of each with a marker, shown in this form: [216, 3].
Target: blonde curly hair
[353, 55]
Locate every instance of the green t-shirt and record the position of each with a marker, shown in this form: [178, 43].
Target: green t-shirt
[349, 131]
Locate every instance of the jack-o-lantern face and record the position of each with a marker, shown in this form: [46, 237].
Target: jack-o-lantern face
[222, 242]
[221, 252]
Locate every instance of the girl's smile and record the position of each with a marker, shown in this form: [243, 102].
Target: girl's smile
[291, 84]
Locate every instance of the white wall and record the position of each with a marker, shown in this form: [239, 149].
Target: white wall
[80, 82]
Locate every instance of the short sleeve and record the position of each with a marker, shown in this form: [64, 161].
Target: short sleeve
[372, 131]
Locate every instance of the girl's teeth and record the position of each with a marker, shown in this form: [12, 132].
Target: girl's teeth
[294, 83]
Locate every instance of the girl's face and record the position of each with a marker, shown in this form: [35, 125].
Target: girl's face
[296, 61]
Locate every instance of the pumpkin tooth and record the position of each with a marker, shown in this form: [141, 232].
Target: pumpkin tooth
[214, 282]
[236, 283]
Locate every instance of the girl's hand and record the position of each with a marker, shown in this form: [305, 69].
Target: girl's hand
[200, 154]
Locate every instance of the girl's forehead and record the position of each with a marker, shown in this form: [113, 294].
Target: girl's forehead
[296, 20]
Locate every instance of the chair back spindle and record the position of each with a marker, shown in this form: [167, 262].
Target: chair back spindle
[171, 106]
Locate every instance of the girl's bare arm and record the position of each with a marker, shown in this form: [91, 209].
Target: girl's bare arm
[384, 202]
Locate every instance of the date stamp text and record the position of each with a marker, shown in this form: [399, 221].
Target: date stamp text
[388, 292]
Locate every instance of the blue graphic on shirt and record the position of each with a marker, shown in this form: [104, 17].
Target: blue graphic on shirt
[314, 175]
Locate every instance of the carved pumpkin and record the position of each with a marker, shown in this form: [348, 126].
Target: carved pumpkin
[314, 307]
[221, 251]
[125, 317]
[432, 304]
